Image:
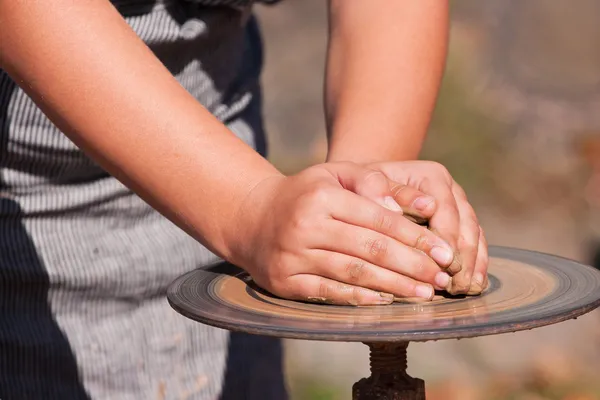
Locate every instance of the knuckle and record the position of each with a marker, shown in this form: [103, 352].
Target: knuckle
[459, 191]
[428, 182]
[422, 241]
[397, 188]
[356, 296]
[325, 290]
[440, 169]
[376, 248]
[303, 222]
[356, 270]
[445, 173]
[319, 195]
[383, 221]
[374, 177]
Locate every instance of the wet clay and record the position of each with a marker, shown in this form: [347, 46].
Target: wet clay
[526, 290]
[518, 286]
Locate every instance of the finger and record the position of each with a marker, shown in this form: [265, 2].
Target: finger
[480, 281]
[446, 221]
[468, 242]
[413, 202]
[382, 251]
[432, 179]
[355, 210]
[358, 272]
[318, 289]
[366, 182]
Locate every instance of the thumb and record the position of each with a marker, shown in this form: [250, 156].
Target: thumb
[365, 182]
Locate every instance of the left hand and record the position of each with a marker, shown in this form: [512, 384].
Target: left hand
[449, 214]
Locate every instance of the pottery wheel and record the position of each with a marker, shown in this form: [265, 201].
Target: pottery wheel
[527, 290]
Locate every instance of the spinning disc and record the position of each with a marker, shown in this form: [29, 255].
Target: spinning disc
[527, 290]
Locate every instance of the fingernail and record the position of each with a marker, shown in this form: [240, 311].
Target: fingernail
[423, 202]
[390, 204]
[386, 298]
[441, 255]
[424, 291]
[442, 280]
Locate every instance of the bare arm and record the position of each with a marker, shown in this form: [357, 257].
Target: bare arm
[298, 236]
[100, 84]
[385, 63]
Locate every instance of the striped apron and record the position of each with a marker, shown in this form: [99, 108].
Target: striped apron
[85, 263]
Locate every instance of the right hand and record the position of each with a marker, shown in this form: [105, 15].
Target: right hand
[310, 237]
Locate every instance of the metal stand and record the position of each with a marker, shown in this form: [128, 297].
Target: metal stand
[223, 296]
[388, 380]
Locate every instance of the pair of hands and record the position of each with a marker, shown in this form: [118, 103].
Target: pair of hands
[336, 233]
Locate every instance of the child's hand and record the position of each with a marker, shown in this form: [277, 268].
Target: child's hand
[311, 237]
[451, 217]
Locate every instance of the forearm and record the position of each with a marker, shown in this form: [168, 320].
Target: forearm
[104, 88]
[384, 66]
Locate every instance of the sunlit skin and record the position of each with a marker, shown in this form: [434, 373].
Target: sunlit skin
[384, 69]
[330, 231]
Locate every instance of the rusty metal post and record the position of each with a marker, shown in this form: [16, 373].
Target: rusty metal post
[389, 379]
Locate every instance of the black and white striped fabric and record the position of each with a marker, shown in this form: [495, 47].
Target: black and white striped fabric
[85, 263]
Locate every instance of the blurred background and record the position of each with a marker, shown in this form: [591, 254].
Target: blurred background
[518, 125]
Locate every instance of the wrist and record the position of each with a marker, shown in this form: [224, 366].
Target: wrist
[364, 158]
[249, 216]
[363, 144]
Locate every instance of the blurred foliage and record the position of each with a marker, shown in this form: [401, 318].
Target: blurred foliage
[461, 137]
[474, 139]
[311, 388]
